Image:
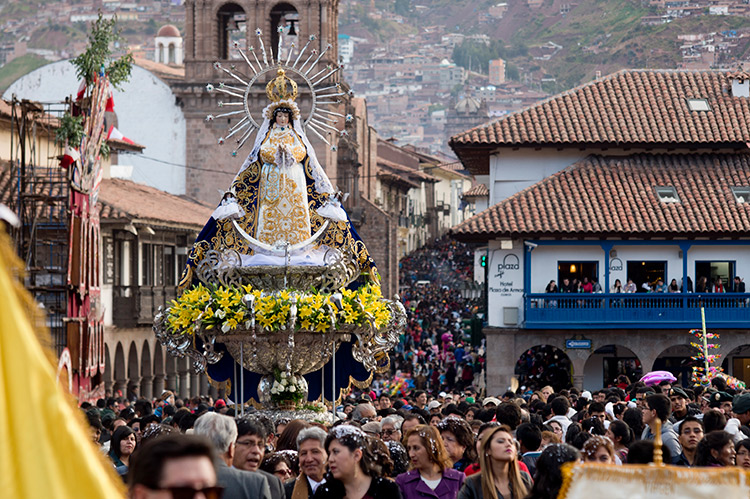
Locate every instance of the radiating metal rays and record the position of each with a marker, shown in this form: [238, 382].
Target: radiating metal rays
[319, 121]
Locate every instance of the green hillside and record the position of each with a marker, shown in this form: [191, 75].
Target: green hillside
[19, 67]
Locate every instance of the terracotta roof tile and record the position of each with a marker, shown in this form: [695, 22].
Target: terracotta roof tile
[478, 191]
[124, 199]
[616, 196]
[630, 106]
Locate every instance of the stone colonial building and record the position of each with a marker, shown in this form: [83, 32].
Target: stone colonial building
[641, 176]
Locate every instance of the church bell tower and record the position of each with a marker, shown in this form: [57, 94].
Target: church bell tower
[213, 28]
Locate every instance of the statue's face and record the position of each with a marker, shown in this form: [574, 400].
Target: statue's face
[282, 119]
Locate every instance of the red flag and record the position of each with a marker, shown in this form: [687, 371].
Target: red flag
[70, 156]
[81, 90]
[115, 134]
[110, 103]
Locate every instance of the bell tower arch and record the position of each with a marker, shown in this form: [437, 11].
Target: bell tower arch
[212, 27]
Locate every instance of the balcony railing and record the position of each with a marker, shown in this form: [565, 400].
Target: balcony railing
[134, 306]
[631, 310]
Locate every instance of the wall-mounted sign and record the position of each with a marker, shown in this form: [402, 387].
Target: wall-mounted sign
[575, 344]
[615, 265]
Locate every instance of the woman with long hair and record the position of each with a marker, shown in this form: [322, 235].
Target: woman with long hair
[598, 449]
[121, 447]
[621, 435]
[500, 476]
[742, 454]
[283, 464]
[431, 473]
[458, 439]
[548, 470]
[353, 470]
[716, 449]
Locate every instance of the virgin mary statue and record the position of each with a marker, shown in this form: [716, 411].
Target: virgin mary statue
[280, 196]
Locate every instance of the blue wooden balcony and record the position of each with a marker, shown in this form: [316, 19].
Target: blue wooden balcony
[636, 310]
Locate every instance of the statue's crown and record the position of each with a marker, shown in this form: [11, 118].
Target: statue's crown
[281, 88]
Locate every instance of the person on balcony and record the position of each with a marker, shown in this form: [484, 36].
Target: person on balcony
[588, 286]
[702, 286]
[718, 286]
[739, 286]
[617, 287]
[660, 287]
[630, 287]
[673, 287]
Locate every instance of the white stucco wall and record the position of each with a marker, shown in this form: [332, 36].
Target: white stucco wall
[146, 112]
[504, 283]
[512, 171]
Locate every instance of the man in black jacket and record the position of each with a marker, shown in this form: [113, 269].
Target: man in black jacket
[238, 484]
[250, 449]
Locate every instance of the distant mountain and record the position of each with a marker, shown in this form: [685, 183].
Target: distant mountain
[562, 42]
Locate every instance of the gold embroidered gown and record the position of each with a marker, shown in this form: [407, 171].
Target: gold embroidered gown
[283, 212]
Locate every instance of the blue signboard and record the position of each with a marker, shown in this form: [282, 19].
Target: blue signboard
[578, 344]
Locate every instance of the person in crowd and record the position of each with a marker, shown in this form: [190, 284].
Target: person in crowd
[716, 449]
[642, 452]
[691, 433]
[659, 406]
[529, 438]
[250, 449]
[680, 407]
[616, 287]
[221, 431]
[598, 449]
[548, 478]
[742, 454]
[174, 466]
[431, 473]
[458, 439]
[411, 420]
[282, 464]
[287, 437]
[718, 286]
[560, 406]
[312, 455]
[621, 436]
[739, 285]
[630, 287]
[353, 470]
[588, 286]
[673, 287]
[659, 287]
[121, 447]
[390, 428]
[702, 285]
[500, 476]
[551, 287]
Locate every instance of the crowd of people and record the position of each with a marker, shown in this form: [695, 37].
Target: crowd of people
[591, 285]
[447, 445]
[434, 352]
[435, 434]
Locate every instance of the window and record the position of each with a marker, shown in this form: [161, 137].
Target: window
[707, 274]
[667, 194]
[169, 266]
[147, 264]
[576, 270]
[109, 260]
[698, 105]
[741, 194]
[645, 274]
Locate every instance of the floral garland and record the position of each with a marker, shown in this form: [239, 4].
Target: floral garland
[229, 308]
[285, 388]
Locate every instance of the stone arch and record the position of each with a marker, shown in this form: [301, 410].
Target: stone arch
[283, 14]
[108, 372]
[171, 54]
[607, 362]
[542, 365]
[159, 374]
[146, 371]
[737, 362]
[120, 372]
[160, 53]
[230, 17]
[134, 372]
[677, 360]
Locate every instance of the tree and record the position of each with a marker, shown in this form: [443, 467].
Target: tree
[98, 58]
[401, 7]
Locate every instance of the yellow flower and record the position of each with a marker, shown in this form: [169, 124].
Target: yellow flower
[306, 324]
[285, 295]
[232, 324]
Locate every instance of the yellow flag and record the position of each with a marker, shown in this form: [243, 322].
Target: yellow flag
[45, 448]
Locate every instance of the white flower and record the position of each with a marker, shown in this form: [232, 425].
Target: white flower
[248, 324]
[225, 327]
[292, 389]
[220, 313]
[283, 374]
